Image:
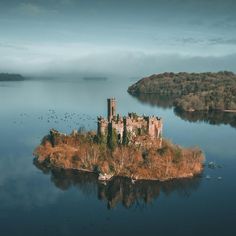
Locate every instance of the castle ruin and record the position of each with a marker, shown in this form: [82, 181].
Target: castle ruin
[131, 126]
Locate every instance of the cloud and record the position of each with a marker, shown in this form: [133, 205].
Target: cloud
[209, 41]
[141, 64]
[231, 41]
[92, 59]
[191, 40]
[12, 46]
[33, 9]
[66, 2]
[121, 63]
[228, 23]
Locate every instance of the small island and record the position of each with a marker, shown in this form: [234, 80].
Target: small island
[191, 91]
[11, 77]
[131, 146]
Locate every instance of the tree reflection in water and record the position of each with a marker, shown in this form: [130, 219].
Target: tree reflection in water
[120, 189]
[163, 101]
[210, 117]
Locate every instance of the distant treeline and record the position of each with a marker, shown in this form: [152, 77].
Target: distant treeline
[191, 91]
[11, 77]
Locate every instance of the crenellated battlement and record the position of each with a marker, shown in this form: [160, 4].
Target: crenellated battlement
[131, 126]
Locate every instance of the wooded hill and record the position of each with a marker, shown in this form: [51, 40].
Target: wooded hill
[191, 91]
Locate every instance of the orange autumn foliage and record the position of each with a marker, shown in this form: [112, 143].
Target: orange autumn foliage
[147, 161]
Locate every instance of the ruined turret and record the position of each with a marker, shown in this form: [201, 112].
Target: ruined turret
[102, 126]
[111, 108]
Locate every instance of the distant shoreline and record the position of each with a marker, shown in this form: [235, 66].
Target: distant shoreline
[5, 77]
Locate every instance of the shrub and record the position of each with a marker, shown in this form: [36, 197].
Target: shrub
[177, 155]
[162, 151]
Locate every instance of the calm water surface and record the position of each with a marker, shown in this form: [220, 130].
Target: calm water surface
[36, 201]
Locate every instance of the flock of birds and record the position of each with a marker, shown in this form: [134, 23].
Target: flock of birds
[56, 120]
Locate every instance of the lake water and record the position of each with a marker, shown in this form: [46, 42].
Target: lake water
[36, 201]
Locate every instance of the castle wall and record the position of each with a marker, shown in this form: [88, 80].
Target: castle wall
[134, 124]
[154, 127]
[143, 125]
[119, 127]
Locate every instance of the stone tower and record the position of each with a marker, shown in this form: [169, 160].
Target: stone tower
[111, 108]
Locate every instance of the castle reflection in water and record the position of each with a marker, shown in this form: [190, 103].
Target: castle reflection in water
[120, 190]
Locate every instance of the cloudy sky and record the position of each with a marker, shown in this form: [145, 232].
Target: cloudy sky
[132, 37]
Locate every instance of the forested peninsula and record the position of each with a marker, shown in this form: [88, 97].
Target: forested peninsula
[191, 91]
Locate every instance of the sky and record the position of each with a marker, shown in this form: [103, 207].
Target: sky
[126, 37]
